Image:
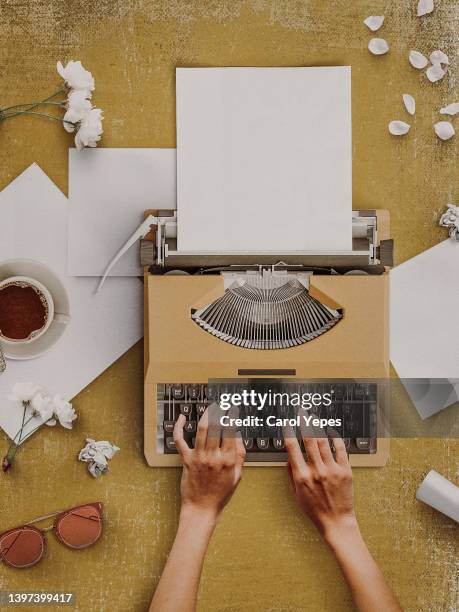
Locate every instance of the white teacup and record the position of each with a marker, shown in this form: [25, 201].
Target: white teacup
[45, 296]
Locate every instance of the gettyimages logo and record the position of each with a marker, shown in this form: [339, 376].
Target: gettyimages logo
[270, 399]
[263, 401]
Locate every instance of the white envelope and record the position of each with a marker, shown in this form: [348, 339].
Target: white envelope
[33, 221]
[109, 190]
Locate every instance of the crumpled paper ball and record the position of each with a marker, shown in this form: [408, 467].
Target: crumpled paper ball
[96, 455]
[450, 219]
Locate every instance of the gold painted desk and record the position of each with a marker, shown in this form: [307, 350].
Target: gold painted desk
[264, 555]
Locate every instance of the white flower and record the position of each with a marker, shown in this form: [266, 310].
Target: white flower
[90, 131]
[23, 392]
[76, 76]
[63, 411]
[42, 406]
[78, 104]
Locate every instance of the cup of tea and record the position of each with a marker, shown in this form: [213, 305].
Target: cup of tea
[26, 310]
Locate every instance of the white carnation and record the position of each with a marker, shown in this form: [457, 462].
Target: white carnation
[76, 76]
[90, 131]
[43, 407]
[23, 392]
[63, 411]
[78, 104]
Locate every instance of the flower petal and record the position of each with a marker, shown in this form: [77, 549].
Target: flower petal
[438, 57]
[435, 73]
[444, 130]
[417, 60]
[374, 22]
[425, 7]
[378, 46]
[451, 109]
[24, 391]
[399, 128]
[410, 103]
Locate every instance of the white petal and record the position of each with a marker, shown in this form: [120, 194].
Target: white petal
[438, 57]
[435, 73]
[398, 128]
[451, 109]
[374, 22]
[425, 7]
[417, 60]
[444, 130]
[378, 46]
[410, 103]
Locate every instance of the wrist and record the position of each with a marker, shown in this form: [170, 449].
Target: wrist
[343, 532]
[198, 516]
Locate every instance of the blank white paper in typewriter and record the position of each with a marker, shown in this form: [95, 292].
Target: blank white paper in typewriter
[264, 159]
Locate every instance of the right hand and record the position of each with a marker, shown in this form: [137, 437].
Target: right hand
[322, 484]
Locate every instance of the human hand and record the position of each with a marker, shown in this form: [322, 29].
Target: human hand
[212, 470]
[322, 485]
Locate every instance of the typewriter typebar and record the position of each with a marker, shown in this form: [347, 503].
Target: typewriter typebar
[355, 404]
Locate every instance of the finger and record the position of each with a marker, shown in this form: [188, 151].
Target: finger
[214, 428]
[180, 442]
[325, 450]
[340, 452]
[240, 456]
[229, 431]
[201, 432]
[309, 434]
[240, 448]
[290, 477]
[312, 451]
[295, 456]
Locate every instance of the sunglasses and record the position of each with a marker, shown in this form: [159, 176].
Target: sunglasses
[77, 527]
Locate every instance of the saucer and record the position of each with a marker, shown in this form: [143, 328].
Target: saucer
[46, 276]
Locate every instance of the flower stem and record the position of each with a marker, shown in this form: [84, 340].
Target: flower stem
[22, 429]
[27, 112]
[32, 105]
[35, 104]
[25, 404]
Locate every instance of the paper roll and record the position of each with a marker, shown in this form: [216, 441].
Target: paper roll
[440, 493]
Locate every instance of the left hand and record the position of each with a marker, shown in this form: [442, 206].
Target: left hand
[213, 469]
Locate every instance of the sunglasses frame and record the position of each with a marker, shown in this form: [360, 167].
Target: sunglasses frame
[59, 515]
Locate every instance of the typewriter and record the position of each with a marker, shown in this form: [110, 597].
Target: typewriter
[303, 321]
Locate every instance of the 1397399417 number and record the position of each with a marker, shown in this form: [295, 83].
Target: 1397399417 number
[10, 598]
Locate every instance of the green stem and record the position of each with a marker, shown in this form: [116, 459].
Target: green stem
[31, 418]
[25, 404]
[61, 104]
[24, 423]
[12, 452]
[32, 105]
[26, 112]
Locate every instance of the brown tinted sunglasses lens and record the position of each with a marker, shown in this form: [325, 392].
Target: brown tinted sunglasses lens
[22, 547]
[80, 527]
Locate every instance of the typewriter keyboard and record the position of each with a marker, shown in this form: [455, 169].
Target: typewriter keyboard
[354, 403]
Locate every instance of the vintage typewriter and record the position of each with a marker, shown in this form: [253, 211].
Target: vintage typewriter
[314, 320]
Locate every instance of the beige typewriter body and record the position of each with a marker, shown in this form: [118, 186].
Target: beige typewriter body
[176, 349]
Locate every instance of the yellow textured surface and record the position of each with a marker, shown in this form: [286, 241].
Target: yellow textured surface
[264, 555]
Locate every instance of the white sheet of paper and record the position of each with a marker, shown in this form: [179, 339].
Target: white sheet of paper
[424, 325]
[109, 190]
[264, 159]
[33, 215]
